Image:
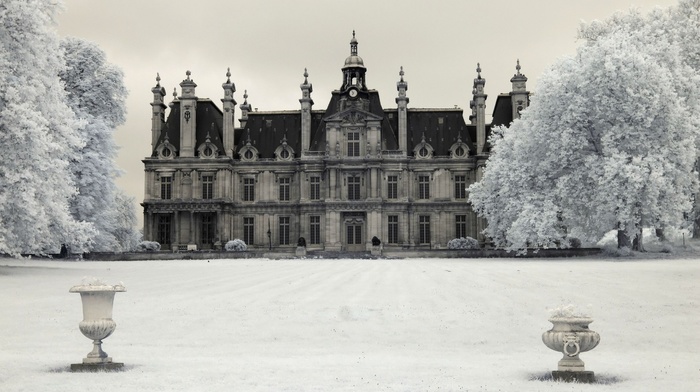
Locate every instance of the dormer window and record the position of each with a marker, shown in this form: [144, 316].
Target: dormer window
[249, 153]
[207, 150]
[165, 150]
[284, 152]
[459, 149]
[423, 150]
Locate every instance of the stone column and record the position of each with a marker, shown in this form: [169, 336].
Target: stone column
[191, 230]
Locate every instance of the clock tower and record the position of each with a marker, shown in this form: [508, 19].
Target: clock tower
[353, 72]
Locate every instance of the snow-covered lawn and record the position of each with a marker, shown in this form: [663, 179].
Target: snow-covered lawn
[351, 325]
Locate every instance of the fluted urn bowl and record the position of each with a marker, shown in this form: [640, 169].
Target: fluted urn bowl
[571, 337]
[97, 324]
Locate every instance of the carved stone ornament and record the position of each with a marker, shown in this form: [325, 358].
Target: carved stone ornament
[97, 324]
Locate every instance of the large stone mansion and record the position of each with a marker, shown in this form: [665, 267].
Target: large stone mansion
[337, 177]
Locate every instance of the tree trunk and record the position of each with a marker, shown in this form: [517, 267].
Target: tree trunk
[623, 240]
[660, 234]
[638, 242]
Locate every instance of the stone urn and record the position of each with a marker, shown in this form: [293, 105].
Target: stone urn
[97, 324]
[571, 337]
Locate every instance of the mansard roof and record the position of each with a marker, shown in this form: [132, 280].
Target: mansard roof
[388, 132]
[209, 123]
[441, 127]
[502, 110]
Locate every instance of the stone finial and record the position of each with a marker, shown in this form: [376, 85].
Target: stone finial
[353, 45]
[245, 97]
[478, 70]
[228, 75]
[401, 73]
[157, 79]
[517, 67]
[174, 93]
[306, 76]
[188, 73]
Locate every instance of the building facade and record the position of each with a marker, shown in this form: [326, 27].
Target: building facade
[336, 177]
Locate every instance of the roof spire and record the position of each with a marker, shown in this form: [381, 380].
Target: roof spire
[353, 45]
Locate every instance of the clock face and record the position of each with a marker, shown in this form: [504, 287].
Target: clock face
[353, 93]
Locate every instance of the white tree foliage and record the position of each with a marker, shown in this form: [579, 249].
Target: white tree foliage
[124, 217]
[97, 95]
[608, 142]
[38, 135]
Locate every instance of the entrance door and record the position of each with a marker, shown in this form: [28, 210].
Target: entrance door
[353, 235]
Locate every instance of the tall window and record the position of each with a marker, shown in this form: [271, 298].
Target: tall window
[424, 187]
[460, 226]
[207, 187]
[393, 229]
[392, 190]
[460, 187]
[164, 229]
[354, 234]
[248, 189]
[249, 230]
[284, 188]
[353, 144]
[284, 230]
[424, 229]
[208, 231]
[354, 188]
[315, 191]
[166, 187]
[315, 229]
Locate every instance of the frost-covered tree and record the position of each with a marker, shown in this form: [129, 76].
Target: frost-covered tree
[124, 216]
[38, 136]
[96, 93]
[614, 130]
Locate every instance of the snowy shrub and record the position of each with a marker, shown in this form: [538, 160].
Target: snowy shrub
[574, 243]
[463, 243]
[235, 246]
[148, 246]
[613, 251]
[667, 248]
[569, 310]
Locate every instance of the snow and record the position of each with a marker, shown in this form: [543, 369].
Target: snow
[348, 325]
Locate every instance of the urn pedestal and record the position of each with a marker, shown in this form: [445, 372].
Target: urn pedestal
[571, 336]
[97, 324]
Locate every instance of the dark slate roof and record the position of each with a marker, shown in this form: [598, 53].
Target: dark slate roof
[441, 127]
[502, 110]
[210, 121]
[268, 129]
[389, 130]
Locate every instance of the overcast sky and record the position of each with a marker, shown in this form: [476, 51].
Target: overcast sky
[268, 43]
